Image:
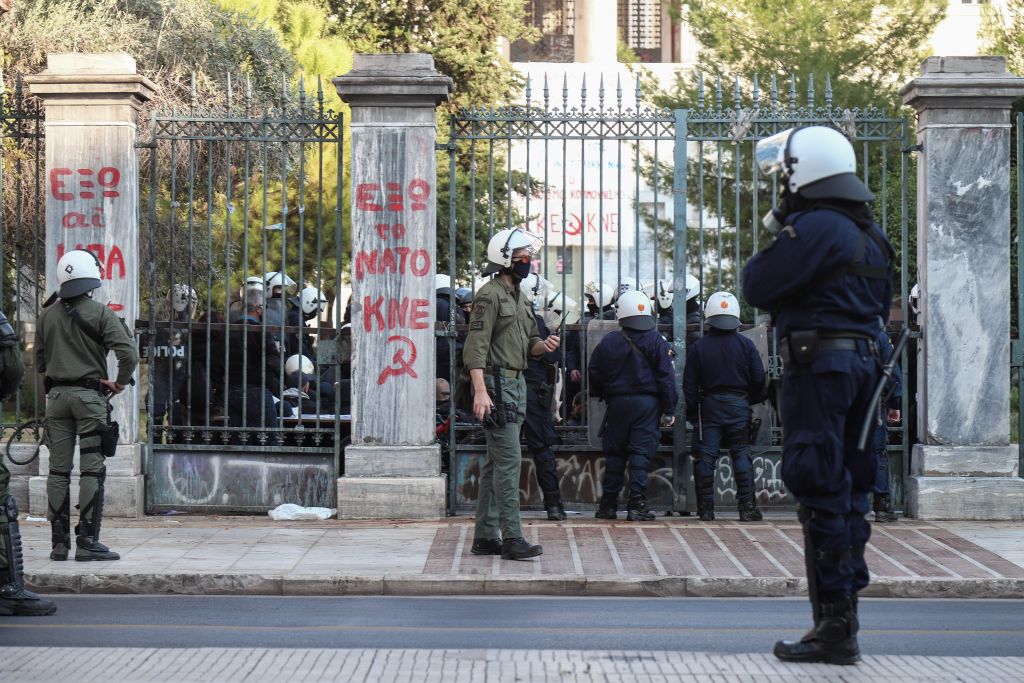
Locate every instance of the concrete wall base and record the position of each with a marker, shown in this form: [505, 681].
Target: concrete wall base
[391, 497]
[965, 461]
[20, 474]
[977, 498]
[124, 496]
[393, 461]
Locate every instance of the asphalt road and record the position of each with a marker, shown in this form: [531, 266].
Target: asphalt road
[889, 626]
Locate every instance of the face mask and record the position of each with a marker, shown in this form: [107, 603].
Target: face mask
[521, 269]
[592, 308]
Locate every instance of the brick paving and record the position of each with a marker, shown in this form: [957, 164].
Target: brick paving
[905, 550]
[254, 665]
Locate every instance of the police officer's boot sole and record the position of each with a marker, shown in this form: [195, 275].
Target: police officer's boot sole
[26, 608]
[59, 553]
[82, 555]
[750, 513]
[638, 511]
[844, 652]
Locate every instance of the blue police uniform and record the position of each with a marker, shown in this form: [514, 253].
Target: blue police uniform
[638, 388]
[539, 428]
[894, 392]
[829, 270]
[724, 375]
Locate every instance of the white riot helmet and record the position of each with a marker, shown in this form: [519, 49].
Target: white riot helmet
[560, 304]
[276, 278]
[599, 292]
[629, 284]
[663, 293]
[78, 272]
[635, 311]
[183, 298]
[816, 161]
[535, 288]
[312, 301]
[443, 283]
[251, 282]
[722, 311]
[692, 286]
[298, 363]
[506, 242]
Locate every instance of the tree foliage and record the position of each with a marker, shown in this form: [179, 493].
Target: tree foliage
[1002, 33]
[867, 49]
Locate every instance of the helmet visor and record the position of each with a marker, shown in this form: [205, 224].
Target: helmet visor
[770, 153]
[521, 239]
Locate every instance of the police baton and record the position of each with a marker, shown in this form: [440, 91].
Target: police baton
[869, 415]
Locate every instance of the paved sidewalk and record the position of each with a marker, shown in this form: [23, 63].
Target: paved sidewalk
[49, 665]
[672, 556]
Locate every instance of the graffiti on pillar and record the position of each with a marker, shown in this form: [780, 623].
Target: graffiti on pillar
[83, 186]
[393, 256]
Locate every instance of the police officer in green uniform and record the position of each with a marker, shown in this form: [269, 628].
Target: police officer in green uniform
[72, 342]
[502, 334]
[15, 600]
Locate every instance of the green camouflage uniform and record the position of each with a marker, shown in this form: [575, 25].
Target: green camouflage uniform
[66, 354]
[12, 370]
[502, 330]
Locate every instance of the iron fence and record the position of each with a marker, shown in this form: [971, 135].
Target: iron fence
[627, 195]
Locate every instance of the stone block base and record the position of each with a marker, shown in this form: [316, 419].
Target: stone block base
[124, 496]
[393, 461]
[20, 474]
[126, 462]
[980, 498]
[965, 461]
[391, 497]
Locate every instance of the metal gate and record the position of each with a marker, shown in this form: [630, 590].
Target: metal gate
[22, 243]
[245, 206]
[611, 184]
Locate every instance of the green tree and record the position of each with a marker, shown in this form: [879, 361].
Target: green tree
[1002, 33]
[867, 49]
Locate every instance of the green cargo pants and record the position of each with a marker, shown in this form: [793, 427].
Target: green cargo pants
[497, 507]
[5, 482]
[74, 412]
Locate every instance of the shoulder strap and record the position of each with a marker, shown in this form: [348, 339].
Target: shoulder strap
[77, 318]
[636, 348]
[856, 266]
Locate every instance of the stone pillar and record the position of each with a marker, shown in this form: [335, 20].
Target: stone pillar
[965, 468]
[393, 467]
[92, 104]
[596, 35]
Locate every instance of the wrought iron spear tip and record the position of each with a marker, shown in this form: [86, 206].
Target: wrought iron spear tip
[828, 90]
[528, 91]
[229, 90]
[736, 91]
[565, 89]
[810, 89]
[192, 90]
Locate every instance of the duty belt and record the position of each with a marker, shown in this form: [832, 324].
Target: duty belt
[727, 393]
[93, 384]
[507, 372]
[824, 344]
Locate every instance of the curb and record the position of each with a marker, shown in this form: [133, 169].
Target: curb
[475, 585]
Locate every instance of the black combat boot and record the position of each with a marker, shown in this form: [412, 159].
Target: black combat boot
[87, 530]
[519, 549]
[15, 599]
[749, 511]
[608, 508]
[637, 510]
[883, 508]
[554, 507]
[486, 546]
[706, 510]
[60, 530]
[833, 640]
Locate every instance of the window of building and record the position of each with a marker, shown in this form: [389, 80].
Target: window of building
[554, 19]
[640, 27]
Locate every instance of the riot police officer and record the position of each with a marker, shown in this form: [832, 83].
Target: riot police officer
[464, 300]
[600, 304]
[666, 298]
[888, 413]
[539, 428]
[15, 599]
[631, 371]
[724, 375]
[73, 339]
[309, 303]
[445, 304]
[827, 279]
[170, 353]
[502, 335]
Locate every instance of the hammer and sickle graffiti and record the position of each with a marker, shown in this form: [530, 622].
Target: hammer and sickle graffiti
[399, 364]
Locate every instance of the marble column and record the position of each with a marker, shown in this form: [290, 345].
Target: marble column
[92, 104]
[966, 467]
[393, 467]
[595, 32]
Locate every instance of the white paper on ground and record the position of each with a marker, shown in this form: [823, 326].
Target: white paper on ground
[291, 511]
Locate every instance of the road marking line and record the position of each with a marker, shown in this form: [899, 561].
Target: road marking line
[757, 544]
[689, 552]
[652, 552]
[577, 563]
[970, 559]
[459, 548]
[918, 553]
[616, 560]
[728, 553]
